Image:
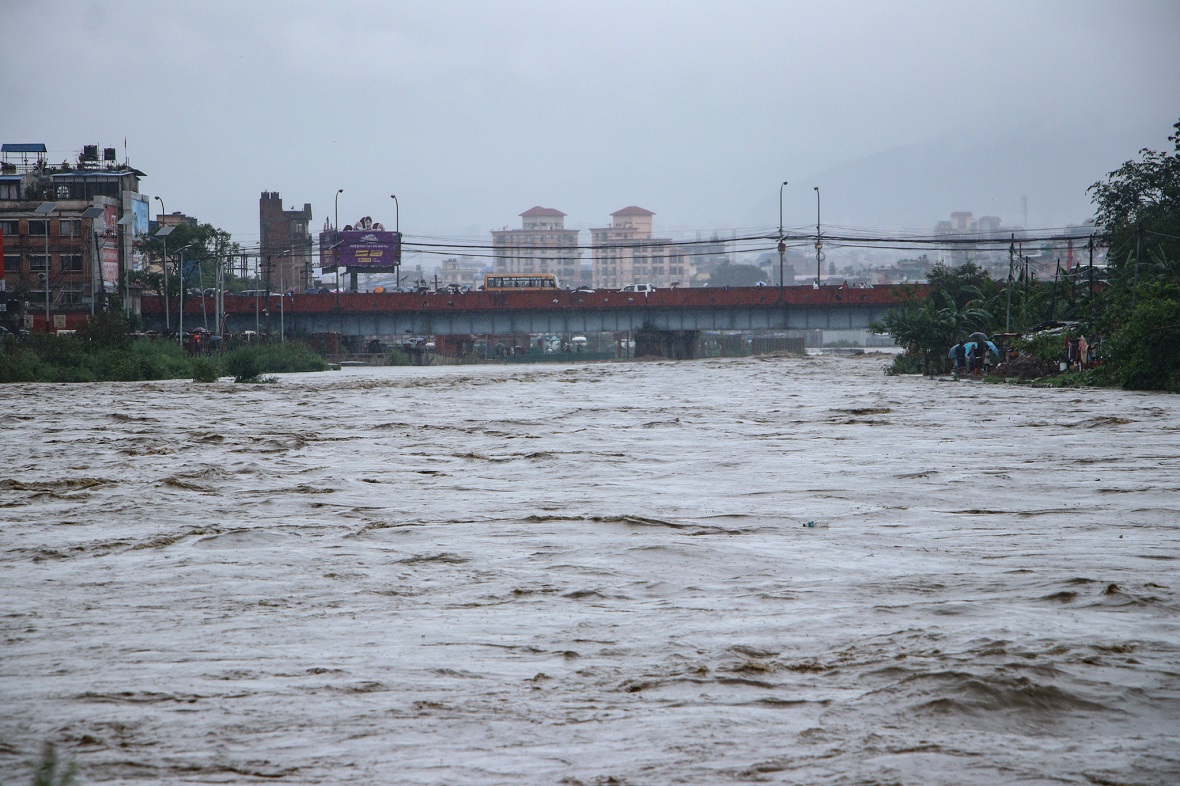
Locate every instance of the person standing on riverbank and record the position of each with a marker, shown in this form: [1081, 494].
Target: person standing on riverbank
[959, 353]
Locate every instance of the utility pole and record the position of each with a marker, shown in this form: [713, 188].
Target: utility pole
[1091, 267]
[1024, 261]
[819, 240]
[1011, 263]
[782, 246]
[1056, 275]
[1138, 238]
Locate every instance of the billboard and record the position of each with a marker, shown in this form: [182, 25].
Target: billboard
[108, 231]
[371, 249]
[140, 217]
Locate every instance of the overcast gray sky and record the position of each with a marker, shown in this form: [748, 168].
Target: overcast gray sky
[473, 112]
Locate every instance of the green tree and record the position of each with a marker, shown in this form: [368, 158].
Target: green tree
[953, 306]
[1145, 350]
[106, 329]
[208, 250]
[1138, 209]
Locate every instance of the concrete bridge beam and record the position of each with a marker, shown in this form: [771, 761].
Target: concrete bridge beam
[675, 344]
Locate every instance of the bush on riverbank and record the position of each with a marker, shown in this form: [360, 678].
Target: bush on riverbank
[1145, 349]
[396, 356]
[286, 358]
[103, 352]
[41, 358]
[205, 370]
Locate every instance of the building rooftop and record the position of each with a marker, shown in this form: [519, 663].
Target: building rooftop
[121, 171]
[533, 212]
[633, 210]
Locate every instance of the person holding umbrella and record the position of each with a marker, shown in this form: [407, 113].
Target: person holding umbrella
[978, 346]
[959, 354]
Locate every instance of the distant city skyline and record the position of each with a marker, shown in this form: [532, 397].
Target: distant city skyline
[901, 113]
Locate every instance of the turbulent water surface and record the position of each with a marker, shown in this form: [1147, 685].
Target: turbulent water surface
[592, 574]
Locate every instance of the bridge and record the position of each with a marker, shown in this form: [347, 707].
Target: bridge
[668, 311]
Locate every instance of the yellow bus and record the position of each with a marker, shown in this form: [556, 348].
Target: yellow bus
[499, 282]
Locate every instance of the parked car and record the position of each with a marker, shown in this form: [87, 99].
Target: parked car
[643, 288]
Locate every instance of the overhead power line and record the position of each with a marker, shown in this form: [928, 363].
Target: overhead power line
[1052, 239]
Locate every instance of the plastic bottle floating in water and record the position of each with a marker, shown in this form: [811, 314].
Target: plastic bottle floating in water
[813, 525]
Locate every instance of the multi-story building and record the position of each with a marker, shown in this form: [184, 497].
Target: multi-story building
[626, 252]
[464, 271]
[978, 241]
[285, 245]
[541, 245]
[68, 235]
[176, 219]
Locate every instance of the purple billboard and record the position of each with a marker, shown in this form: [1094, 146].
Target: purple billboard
[370, 248]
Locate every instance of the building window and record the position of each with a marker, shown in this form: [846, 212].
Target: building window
[37, 262]
[9, 190]
[38, 227]
[70, 297]
[69, 227]
[10, 228]
[12, 262]
[71, 263]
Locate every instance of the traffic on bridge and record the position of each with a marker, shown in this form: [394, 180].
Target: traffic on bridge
[679, 312]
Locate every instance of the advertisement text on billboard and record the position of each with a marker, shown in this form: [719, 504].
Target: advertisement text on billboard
[370, 248]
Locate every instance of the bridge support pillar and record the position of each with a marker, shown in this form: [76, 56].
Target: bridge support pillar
[676, 344]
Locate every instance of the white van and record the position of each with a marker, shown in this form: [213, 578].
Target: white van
[643, 288]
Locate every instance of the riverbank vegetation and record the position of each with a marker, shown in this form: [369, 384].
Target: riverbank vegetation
[1131, 314]
[103, 351]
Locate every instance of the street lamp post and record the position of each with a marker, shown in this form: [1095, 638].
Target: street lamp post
[160, 232]
[336, 246]
[397, 227]
[163, 233]
[126, 263]
[819, 242]
[45, 209]
[282, 300]
[267, 272]
[180, 275]
[201, 288]
[782, 246]
[92, 213]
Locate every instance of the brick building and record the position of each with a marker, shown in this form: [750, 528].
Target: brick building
[68, 233]
[285, 245]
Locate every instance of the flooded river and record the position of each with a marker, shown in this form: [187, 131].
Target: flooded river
[595, 574]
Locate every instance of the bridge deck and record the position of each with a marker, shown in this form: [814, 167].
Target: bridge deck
[700, 308]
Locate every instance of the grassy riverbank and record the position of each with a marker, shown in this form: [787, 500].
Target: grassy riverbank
[91, 356]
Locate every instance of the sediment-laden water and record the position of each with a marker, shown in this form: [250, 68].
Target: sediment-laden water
[592, 574]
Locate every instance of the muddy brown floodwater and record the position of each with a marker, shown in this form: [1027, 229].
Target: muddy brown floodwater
[592, 574]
